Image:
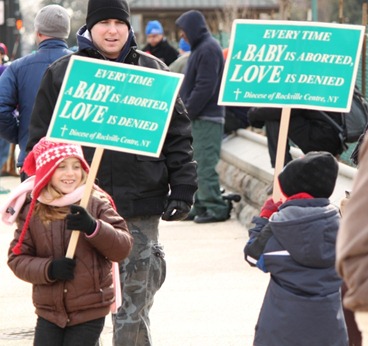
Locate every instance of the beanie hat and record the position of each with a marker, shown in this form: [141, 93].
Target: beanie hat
[184, 45]
[315, 173]
[53, 21]
[154, 27]
[42, 162]
[107, 9]
[45, 158]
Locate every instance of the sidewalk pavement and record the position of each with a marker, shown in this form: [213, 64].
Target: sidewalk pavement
[211, 296]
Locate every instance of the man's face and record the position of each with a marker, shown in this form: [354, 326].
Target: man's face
[109, 36]
[154, 39]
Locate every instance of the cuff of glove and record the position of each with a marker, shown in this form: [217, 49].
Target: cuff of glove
[266, 214]
[183, 193]
[98, 226]
[48, 276]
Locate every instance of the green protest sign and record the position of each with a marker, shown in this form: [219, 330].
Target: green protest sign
[115, 106]
[291, 64]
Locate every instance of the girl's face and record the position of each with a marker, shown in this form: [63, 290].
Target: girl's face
[68, 175]
[109, 36]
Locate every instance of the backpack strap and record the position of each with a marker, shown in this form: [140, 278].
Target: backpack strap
[339, 129]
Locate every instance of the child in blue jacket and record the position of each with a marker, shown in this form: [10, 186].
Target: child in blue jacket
[295, 242]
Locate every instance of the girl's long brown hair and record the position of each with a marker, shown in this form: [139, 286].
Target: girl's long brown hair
[48, 213]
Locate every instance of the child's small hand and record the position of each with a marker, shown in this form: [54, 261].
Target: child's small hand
[269, 207]
[80, 219]
[62, 269]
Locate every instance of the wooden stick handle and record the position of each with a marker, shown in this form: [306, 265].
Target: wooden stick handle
[85, 198]
[280, 154]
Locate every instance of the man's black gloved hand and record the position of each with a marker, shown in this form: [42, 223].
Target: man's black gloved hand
[176, 210]
[62, 269]
[80, 219]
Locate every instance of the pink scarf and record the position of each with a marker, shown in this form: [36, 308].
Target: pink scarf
[10, 210]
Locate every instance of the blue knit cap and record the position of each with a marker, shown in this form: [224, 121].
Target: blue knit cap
[154, 27]
[184, 45]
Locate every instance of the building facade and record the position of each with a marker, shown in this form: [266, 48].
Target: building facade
[219, 14]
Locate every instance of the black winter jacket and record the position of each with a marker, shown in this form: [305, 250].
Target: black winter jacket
[163, 51]
[139, 185]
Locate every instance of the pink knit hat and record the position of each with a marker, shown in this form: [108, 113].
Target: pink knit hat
[42, 162]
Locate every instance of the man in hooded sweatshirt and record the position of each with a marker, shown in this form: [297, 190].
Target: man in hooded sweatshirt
[145, 189]
[200, 91]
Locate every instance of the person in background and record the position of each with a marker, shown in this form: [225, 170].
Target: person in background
[4, 57]
[236, 117]
[72, 296]
[4, 144]
[295, 242]
[144, 189]
[179, 64]
[20, 81]
[157, 44]
[200, 91]
[308, 130]
[351, 247]
[183, 47]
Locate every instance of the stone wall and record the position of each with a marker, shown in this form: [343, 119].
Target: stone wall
[251, 189]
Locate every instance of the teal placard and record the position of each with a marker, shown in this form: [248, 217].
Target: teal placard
[115, 106]
[292, 64]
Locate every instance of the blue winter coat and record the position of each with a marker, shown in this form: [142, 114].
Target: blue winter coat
[302, 305]
[201, 85]
[19, 85]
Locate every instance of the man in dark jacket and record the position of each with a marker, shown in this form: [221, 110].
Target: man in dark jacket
[200, 91]
[157, 44]
[143, 188]
[20, 81]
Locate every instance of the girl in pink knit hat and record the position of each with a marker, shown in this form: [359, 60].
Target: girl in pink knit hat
[71, 296]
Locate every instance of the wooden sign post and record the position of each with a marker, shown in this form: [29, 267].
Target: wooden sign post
[85, 198]
[280, 154]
